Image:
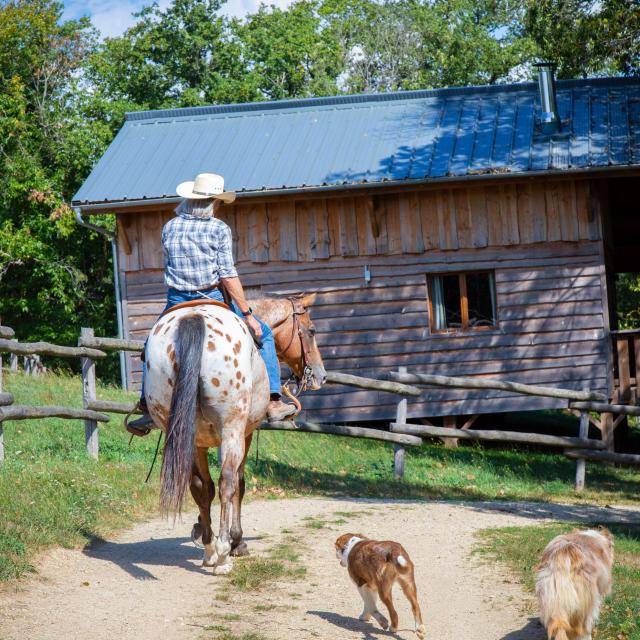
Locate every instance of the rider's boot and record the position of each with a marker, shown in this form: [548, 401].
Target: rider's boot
[278, 410]
[140, 426]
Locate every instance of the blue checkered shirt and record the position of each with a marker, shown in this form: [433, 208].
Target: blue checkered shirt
[197, 252]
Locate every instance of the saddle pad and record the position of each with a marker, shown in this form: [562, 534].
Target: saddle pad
[195, 303]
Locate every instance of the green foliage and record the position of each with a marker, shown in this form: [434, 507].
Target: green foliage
[64, 93]
[628, 300]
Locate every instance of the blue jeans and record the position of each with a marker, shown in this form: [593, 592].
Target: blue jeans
[268, 350]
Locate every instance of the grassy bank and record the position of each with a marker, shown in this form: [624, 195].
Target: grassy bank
[521, 548]
[51, 494]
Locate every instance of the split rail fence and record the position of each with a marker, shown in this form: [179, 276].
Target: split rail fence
[401, 433]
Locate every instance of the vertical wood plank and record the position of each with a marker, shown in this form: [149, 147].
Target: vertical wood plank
[429, 220]
[131, 255]
[88, 394]
[380, 231]
[493, 216]
[321, 249]
[241, 235]
[509, 214]
[464, 223]
[286, 226]
[150, 239]
[366, 225]
[624, 369]
[447, 221]
[594, 211]
[410, 223]
[304, 230]
[568, 214]
[479, 218]
[398, 450]
[394, 231]
[525, 214]
[538, 209]
[451, 422]
[258, 235]
[334, 217]
[607, 428]
[273, 227]
[581, 465]
[552, 204]
[348, 228]
[582, 209]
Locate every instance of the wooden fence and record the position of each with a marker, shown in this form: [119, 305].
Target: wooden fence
[401, 433]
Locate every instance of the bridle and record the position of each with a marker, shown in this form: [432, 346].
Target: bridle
[297, 310]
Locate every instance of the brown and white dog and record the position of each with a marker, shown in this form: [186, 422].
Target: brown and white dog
[374, 567]
[571, 581]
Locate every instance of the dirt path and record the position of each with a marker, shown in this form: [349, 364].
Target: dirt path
[148, 582]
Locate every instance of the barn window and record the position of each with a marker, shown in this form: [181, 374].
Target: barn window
[462, 301]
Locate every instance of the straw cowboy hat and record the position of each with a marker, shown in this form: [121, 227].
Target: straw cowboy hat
[206, 185]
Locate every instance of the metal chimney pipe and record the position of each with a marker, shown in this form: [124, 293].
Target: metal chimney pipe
[549, 118]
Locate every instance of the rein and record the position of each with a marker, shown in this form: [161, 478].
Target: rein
[301, 383]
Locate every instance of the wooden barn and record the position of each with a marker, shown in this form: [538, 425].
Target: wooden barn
[461, 231]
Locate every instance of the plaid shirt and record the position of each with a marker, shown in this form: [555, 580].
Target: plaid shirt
[197, 252]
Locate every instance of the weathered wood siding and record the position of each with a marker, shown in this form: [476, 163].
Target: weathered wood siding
[541, 239]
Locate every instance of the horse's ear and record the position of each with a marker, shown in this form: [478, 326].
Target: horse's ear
[308, 299]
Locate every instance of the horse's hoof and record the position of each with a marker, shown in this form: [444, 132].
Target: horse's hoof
[223, 569]
[209, 561]
[196, 535]
[222, 548]
[240, 550]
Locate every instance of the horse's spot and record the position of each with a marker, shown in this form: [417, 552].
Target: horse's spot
[238, 375]
[227, 358]
[170, 382]
[172, 355]
[219, 321]
[218, 332]
[169, 347]
[237, 385]
[157, 329]
[243, 379]
[225, 392]
[243, 330]
[148, 363]
[228, 337]
[231, 382]
[166, 330]
[175, 367]
[209, 326]
[235, 362]
[215, 382]
[237, 346]
[210, 346]
[171, 319]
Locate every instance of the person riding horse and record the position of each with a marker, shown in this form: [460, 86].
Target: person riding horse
[197, 250]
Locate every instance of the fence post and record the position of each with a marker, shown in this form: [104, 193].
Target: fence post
[13, 359]
[88, 394]
[398, 450]
[1, 428]
[581, 465]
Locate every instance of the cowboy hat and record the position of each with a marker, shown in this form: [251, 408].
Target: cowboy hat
[206, 185]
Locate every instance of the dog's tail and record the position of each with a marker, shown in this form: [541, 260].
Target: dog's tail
[566, 594]
[400, 559]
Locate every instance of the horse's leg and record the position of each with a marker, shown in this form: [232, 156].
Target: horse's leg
[232, 456]
[238, 545]
[203, 491]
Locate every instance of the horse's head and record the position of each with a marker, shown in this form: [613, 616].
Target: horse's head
[296, 343]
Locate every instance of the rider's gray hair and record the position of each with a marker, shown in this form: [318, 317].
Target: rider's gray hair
[200, 208]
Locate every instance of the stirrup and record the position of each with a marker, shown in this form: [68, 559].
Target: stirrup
[134, 429]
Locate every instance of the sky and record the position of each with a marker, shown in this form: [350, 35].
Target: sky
[112, 17]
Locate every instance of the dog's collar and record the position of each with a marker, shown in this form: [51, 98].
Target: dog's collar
[347, 550]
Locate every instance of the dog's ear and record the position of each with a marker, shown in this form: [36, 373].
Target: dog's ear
[607, 534]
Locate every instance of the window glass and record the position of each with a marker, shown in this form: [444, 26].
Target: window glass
[462, 301]
[481, 299]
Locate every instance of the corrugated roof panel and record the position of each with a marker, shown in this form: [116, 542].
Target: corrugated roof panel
[580, 124]
[424, 137]
[520, 158]
[599, 135]
[619, 136]
[446, 139]
[465, 137]
[486, 133]
[414, 135]
[503, 144]
[634, 125]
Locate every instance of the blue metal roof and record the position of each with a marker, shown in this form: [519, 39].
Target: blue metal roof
[369, 139]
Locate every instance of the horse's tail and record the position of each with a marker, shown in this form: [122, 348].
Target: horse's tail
[177, 459]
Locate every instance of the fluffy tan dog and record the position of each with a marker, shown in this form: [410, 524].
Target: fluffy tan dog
[571, 581]
[374, 566]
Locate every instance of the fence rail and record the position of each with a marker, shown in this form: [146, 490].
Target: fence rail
[401, 433]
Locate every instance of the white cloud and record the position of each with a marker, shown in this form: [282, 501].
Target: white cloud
[113, 17]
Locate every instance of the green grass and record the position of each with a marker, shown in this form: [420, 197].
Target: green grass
[52, 494]
[521, 548]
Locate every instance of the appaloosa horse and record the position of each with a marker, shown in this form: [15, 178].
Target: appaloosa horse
[206, 386]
